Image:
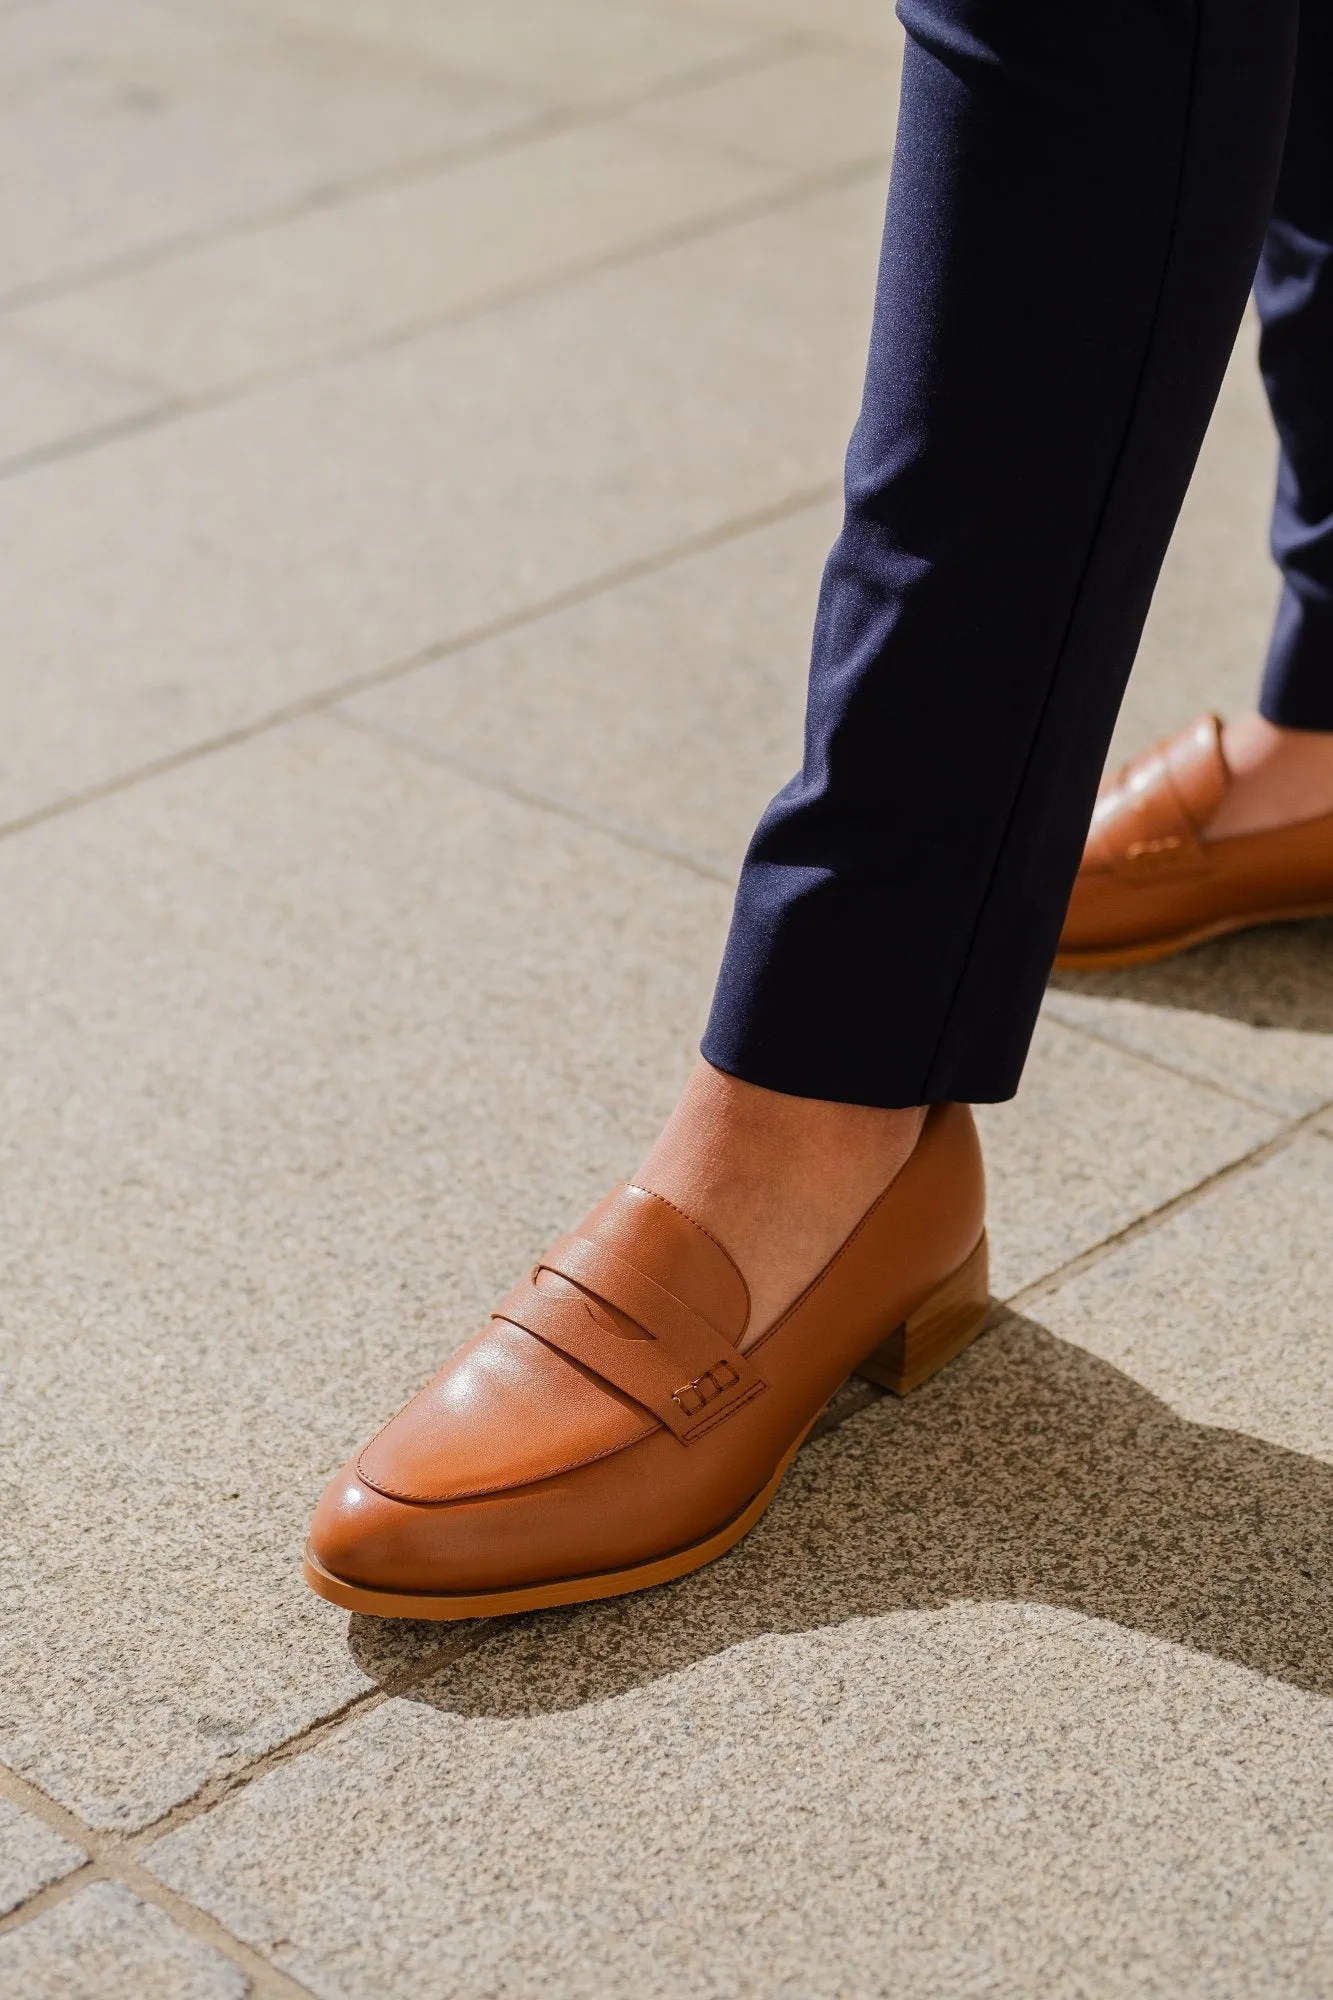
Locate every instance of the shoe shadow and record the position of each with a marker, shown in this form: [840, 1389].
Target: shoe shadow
[1029, 1471]
[1279, 976]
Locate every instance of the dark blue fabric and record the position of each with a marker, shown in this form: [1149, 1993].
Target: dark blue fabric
[1078, 199]
[1294, 292]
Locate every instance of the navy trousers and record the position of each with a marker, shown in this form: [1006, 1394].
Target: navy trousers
[1079, 200]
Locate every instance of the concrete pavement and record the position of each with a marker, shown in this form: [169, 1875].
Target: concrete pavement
[421, 431]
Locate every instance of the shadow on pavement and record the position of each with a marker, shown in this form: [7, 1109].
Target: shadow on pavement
[1280, 976]
[1030, 1471]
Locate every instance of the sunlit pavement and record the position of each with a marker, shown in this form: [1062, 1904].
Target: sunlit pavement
[420, 433]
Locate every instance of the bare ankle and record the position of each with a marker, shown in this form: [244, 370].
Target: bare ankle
[1278, 777]
[780, 1180]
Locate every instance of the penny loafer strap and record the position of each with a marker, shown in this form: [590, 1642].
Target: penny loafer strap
[683, 1370]
[1151, 825]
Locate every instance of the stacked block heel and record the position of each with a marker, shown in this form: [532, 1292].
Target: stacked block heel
[948, 1321]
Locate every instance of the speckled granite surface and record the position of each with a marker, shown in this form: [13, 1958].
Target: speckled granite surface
[420, 434]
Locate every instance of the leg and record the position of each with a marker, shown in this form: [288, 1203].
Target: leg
[1078, 201]
[1077, 204]
[1294, 291]
[1281, 758]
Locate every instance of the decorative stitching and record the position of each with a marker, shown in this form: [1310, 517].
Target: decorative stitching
[705, 1387]
[722, 1416]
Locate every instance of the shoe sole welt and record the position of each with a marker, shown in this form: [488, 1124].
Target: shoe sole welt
[939, 1329]
[1104, 958]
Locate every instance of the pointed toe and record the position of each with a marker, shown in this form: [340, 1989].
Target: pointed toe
[361, 1537]
[618, 1423]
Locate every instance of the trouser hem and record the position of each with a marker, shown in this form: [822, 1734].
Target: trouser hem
[1297, 691]
[793, 1074]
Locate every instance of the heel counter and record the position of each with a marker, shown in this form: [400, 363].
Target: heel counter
[958, 1174]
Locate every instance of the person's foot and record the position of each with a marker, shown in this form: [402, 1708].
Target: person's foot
[780, 1181]
[1186, 845]
[631, 1408]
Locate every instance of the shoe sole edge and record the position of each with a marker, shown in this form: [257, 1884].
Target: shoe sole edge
[1105, 958]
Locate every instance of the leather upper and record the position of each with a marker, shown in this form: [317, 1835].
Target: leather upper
[509, 1408]
[1148, 825]
[619, 1405]
[1150, 873]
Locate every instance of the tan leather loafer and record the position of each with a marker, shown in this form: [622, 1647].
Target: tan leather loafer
[617, 1424]
[1152, 883]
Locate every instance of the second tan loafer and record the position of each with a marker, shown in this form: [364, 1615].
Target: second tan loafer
[1152, 883]
[619, 1423]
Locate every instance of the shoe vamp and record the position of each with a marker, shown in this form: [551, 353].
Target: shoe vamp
[1248, 875]
[505, 1411]
[1105, 908]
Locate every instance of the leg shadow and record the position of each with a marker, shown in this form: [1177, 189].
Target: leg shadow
[1030, 1471]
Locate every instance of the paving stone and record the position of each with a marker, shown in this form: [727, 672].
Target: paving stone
[255, 1177]
[225, 566]
[1222, 1311]
[1094, 1140]
[972, 1711]
[331, 280]
[1023, 1685]
[671, 706]
[327, 1064]
[129, 127]
[817, 109]
[1252, 1013]
[105, 1944]
[31, 1856]
[46, 398]
[566, 51]
[1207, 633]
